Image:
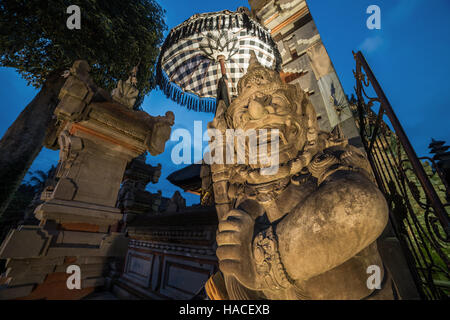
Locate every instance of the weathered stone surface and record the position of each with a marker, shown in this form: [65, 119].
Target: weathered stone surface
[92, 282]
[16, 292]
[64, 190]
[55, 288]
[27, 279]
[83, 238]
[126, 92]
[62, 211]
[25, 242]
[113, 245]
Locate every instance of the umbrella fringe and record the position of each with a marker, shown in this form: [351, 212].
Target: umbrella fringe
[190, 101]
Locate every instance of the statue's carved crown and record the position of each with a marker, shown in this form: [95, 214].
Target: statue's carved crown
[257, 74]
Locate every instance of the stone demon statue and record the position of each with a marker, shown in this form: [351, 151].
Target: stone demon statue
[310, 230]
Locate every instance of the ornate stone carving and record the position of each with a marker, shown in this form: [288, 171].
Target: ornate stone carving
[69, 149]
[307, 231]
[126, 92]
[133, 198]
[268, 262]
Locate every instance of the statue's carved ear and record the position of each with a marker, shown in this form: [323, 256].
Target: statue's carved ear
[300, 99]
[298, 88]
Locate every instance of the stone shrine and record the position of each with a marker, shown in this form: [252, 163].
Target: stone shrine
[97, 138]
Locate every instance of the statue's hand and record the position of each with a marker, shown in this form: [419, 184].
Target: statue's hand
[234, 240]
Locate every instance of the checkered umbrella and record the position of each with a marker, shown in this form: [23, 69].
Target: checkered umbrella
[206, 47]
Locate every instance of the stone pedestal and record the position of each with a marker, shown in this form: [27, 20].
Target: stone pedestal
[97, 138]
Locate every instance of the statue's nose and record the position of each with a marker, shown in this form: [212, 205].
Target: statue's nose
[259, 106]
[256, 110]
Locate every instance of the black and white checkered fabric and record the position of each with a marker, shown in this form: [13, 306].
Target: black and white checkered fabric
[189, 64]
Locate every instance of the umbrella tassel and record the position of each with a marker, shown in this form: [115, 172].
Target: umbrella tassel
[174, 93]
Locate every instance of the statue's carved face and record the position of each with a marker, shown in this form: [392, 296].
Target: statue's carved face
[156, 176]
[266, 103]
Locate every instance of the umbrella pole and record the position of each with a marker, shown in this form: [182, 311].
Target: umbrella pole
[231, 283]
[221, 90]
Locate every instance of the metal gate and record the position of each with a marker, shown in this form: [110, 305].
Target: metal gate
[416, 192]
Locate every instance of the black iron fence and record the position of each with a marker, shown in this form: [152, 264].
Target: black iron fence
[416, 194]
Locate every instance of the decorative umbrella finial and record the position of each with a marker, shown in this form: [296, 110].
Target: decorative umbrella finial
[253, 62]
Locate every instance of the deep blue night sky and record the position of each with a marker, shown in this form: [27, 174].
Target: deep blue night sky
[409, 56]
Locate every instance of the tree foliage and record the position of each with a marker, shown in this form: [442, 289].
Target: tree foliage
[115, 35]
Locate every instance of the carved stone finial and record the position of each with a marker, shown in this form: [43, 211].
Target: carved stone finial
[257, 74]
[127, 93]
[253, 60]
